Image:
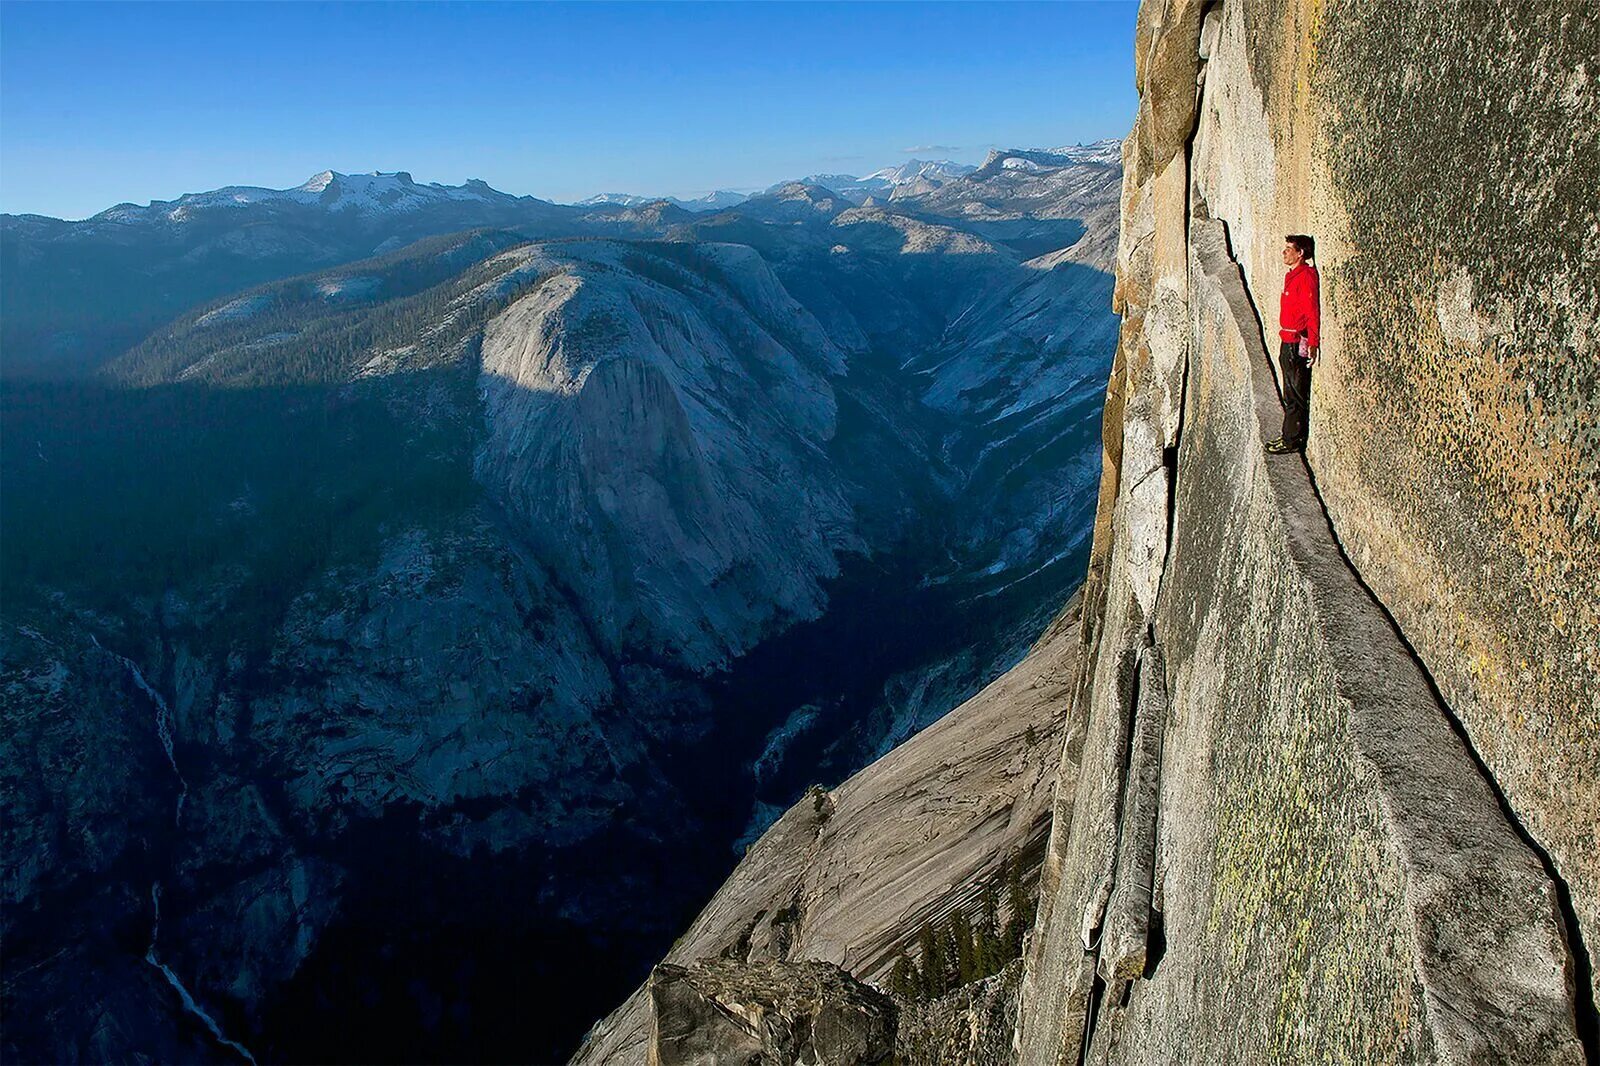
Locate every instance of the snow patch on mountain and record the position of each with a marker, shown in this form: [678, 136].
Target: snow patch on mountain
[348, 287]
[711, 201]
[234, 310]
[886, 182]
[1107, 152]
[365, 194]
[622, 198]
[911, 170]
[1045, 160]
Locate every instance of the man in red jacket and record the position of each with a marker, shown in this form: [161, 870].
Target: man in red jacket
[1300, 330]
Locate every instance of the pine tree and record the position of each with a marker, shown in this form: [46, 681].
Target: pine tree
[948, 974]
[932, 962]
[1021, 909]
[961, 933]
[987, 936]
[906, 981]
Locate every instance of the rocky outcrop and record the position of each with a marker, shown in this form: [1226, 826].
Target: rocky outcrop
[428, 625]
[782, 1013]
[1327, 790]
[848, 876]
[973, 1026]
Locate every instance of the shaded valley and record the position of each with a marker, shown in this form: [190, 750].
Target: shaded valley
[495, 590]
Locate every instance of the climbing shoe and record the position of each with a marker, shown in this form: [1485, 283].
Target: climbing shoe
[1279, 446]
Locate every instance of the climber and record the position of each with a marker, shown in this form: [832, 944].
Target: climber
[1300, 331]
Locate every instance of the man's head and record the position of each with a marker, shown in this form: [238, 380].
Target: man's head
[1297, 248]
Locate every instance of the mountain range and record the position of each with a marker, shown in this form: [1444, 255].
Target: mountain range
[77, 293]
[411, 589]
[913, 177]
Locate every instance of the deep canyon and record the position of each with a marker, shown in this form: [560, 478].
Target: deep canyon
[405, 633]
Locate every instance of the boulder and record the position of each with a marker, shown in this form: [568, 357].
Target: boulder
[723, 1012]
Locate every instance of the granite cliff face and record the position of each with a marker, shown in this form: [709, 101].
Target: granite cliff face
[1328, 787]
[674, 429]
[849, 875]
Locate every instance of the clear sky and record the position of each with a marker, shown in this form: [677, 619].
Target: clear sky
[106, 103]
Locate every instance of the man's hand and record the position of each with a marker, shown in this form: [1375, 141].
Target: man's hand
[1312, 352]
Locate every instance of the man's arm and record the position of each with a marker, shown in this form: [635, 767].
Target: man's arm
[1313, 318]
[1314, 309]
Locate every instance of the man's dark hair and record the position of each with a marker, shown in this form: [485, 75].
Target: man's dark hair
[1306, 244]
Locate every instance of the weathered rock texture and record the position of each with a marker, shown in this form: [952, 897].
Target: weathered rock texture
[849, 876]
[973, 1026]
[1328, 790]
[767, 1014]
[663, 445]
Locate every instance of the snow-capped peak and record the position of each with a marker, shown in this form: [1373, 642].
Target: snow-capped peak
[912, 169]
[1108, 151]
[623, 199]
[711, 201]
[375, 193]
[919, 172]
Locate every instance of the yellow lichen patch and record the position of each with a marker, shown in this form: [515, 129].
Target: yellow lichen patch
[1305, 903]
[1456, 423]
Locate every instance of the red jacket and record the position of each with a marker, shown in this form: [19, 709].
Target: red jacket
[1300, 311]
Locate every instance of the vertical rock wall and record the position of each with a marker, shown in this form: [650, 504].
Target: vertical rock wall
[1329, 787]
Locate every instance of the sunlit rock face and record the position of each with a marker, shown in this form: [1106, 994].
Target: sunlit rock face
[1328, 788]
[850, 875]
[663, 446]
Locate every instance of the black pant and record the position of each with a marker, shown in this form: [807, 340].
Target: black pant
[1296, 392]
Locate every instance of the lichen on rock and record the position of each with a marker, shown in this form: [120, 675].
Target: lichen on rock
[1376, 835]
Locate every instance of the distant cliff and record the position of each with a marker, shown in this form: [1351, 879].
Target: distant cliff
[1330, 785]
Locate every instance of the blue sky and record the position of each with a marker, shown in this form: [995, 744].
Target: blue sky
[105, 103]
